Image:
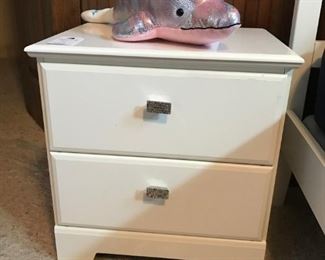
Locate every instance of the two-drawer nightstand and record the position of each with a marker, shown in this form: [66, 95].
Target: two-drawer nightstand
[160, 149]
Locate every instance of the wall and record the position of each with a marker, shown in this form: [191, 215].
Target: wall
[272, 15]
[8, 30]
[90, 4]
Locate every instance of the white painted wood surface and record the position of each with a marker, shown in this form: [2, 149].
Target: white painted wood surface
[304, 157]
[246, 45]
[96, 82]
[302, 40]
[307, 161]
[318, 53]
[206, 199]
[216, 116]
[303, 37]
[83, 244]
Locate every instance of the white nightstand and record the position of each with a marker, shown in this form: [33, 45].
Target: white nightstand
[193, 177]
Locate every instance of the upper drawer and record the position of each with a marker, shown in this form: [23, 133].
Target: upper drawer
[215, 116]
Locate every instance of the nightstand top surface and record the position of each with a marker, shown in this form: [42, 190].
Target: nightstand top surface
[245, 45]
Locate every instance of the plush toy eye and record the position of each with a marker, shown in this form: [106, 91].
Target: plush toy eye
[180, 12]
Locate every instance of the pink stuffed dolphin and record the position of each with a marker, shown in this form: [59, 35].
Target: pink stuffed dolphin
[187, 21]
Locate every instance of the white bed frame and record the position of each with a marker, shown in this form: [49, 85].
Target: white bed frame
[300, 153]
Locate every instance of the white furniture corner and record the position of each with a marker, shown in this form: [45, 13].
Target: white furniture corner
[301, 154]
[163, 150]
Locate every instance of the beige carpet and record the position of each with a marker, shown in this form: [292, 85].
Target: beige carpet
[26, 218]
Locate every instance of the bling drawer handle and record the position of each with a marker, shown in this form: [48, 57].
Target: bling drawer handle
[157, 193]
[159, 107]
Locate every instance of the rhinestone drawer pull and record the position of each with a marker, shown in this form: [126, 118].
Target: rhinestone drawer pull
[157, 193]
[159, 107]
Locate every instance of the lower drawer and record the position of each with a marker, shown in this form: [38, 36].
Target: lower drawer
[205, 199]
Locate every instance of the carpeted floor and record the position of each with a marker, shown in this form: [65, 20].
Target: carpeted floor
[26, 218]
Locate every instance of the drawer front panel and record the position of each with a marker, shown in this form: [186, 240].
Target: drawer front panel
[201, 115]
[204, 199]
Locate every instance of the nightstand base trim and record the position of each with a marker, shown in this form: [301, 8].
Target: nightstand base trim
[83, 244]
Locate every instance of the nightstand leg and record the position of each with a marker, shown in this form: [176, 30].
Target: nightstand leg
[282, 182]
[73, 247]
